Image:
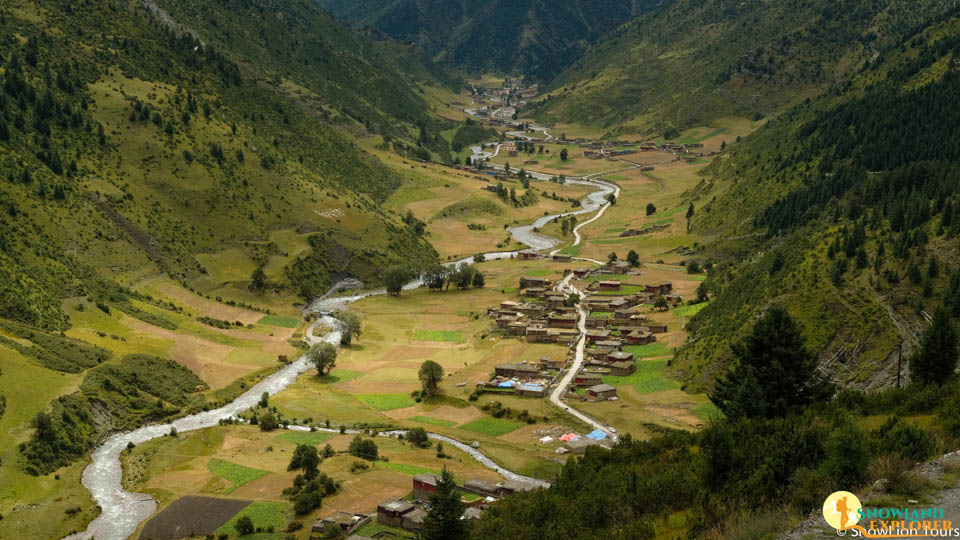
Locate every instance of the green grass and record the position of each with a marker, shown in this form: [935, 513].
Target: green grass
[615, 230]
[493, 427]
[697, 278]
[237, 475]
[276, 320]
[599, 314]
[707, 411]
[609, 277]
[411, 470]
[624, 290]
[386, 402]
[433, 421]
[539, 272]
[372, 528]
[468, 496]
[263, 514]
[306, 437]
[649, 351]
[452, 336]
[342, 375]
[689, 311]
[573, 251]
[648, 378]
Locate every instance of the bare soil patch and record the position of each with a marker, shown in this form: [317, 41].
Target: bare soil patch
[209, 308]
[190, 516]
[446, 412]
[675, 413]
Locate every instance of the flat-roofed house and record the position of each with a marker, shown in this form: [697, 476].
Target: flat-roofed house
[611, 285]
[601, 392]
[391, 511]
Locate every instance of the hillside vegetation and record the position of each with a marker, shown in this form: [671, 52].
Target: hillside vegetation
[845, 216]
[532, 37]
[691, 61]
[152, 147]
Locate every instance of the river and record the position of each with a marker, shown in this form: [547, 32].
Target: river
[122, 511]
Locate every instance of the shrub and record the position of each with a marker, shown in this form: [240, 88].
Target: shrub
[896, 470]
[847, 452]
[244, 525]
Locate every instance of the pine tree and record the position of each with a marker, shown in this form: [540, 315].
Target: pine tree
[773, 375]
[443, 521]
[936, 360]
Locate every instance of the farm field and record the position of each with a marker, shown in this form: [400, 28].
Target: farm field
[549, 161]
[218, 356]
[175, 468]
[459, 212]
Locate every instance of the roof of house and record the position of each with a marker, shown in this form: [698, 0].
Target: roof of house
[614, 282]
[395, 505]
[416, 515]
[517, 485]
[609, 343]
[480, 485]
[600, 388]
[427, 478]
[621, 354]
[472, 513]
[622, 365]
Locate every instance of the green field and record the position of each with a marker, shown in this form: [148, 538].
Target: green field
[707, 411]
[411, 470]
[493, 427]
[342, 375]
[264, 514]
[238, 475]
[539, 272]
[276, 320]
[438, 335]
[433, 421]
[306, 437]
[648, 378]
[386, 402]
[649, 351]
[690, 311]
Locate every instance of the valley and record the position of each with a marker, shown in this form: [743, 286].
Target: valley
[644, 270]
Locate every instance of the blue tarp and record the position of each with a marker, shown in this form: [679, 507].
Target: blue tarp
[597, 435]
[507, 384]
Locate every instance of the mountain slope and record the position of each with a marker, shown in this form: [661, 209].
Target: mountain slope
[845, 207]
[534, 37]
[692, 61]
[151, 147]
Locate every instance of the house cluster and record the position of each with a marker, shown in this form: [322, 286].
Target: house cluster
[545, 320]
[340, 524]
[409, 514]
[576, 444]
[524, 378]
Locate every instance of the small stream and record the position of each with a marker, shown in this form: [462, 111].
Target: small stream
[123, 511]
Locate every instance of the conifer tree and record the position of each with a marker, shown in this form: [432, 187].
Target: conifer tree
[773, 374]
[936, 360]
[443, 521]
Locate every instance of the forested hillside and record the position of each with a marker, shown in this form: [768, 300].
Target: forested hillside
[692, 61]
[150, 145]
[846, 210]
[534, 37]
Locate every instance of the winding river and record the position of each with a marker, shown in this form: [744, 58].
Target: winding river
[122, 511]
